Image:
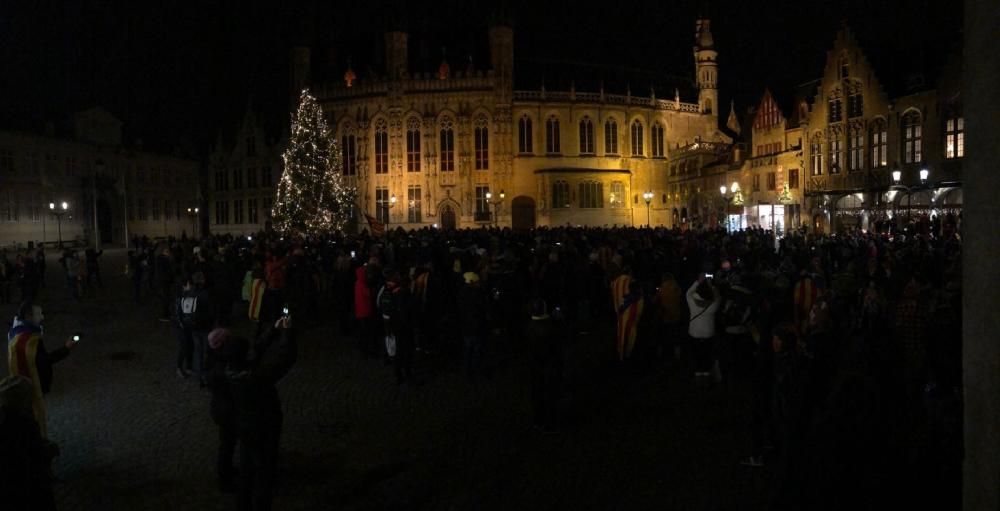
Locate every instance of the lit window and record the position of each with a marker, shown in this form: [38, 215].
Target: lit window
[855, 150]
[381, 148]
[560, 194]
[617, 197]
[834, 112]
[552, 136]
[524, 145]
[637, 138]
[879, 143]
[836, 147]
[586, 136]
[611, 137]
[656, 134]
[481, 137]
[591, 194]
[447, 145]
[413, 205]
[349, 157]
[382, 204]
[413, 145]
[911, 138]
[954, 130]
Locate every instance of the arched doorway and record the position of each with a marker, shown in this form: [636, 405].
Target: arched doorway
[522, 212]
[447, 217]
[104, 221]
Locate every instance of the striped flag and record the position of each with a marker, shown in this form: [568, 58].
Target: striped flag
[619, 288]
[378, 228]
[23, 344]
[256, 298]
[628, 324]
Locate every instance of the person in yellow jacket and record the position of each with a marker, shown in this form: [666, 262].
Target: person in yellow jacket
[27, 357]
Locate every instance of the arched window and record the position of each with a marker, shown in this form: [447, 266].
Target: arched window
[855, 148]
[912, 137]
[349, 154]
[656, 135]
[524, 145]
[816, 153]
[708, 106]
[591, 195]
[879, 143]
[834, 110]
[637, 138]
[855, 100]
[610, 137]
[552, 136]
[586, 136]
[381, 147]
[560, 194]
[447, 145]
[413, 145]
[617, 197]
[482, 142]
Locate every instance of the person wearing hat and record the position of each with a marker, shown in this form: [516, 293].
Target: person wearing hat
[473, 308]
[27, 356]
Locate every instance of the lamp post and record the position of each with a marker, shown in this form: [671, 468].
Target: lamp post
[730, 197]
[193, 214]
[496, 207]
[897, 177]
[648, 197]
[59, 212]
[388, 214]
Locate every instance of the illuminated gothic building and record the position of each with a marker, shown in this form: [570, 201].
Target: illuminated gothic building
[871, 151]
[468, 147]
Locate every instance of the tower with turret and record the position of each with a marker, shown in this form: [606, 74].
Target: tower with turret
[706, 67]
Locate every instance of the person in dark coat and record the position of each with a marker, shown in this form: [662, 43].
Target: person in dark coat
[545, 345]
[164, 276]
[472, 308]
[222, 410]
[25, 473]
[94, 266]
[252, 383]
[397, 307]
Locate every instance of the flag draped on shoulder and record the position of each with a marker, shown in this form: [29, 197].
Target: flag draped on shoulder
[23, 342]
[257, 288]
[378, 228]
[628, 323]
[619, 288]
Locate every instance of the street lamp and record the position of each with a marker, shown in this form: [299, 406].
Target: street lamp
[193, 213]
[729, 198]
[897, 176]
[496, 206]
[388, 214]
[59, 212]
[648, 197]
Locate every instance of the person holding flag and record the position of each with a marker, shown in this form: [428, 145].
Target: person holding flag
[629, 313]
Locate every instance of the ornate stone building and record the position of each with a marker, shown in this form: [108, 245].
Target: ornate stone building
[856, 135]
[464, 148]
[110, 189]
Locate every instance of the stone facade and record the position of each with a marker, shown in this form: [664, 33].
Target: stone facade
[855, 136]
[241, 178]
[91, 168]
[438, 142]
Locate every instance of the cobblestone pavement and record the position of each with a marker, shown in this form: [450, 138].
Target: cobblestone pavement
[135, 437]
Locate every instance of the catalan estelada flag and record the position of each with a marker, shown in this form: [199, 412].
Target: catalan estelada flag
[256, 298]
[619, 288]
[378, 228]
[628, 323]
[22, 348]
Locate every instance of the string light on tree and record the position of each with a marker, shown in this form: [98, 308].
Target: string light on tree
[312, 195]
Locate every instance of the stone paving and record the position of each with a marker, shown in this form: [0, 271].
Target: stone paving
[135, 437]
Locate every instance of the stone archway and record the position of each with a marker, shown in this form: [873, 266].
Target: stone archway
[448, 218]
[522, 211]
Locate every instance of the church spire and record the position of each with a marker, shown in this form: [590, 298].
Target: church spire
[733, 123]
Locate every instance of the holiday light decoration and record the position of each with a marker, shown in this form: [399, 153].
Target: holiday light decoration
[312, 195]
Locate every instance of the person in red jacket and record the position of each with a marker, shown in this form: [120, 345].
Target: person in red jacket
[364, 312]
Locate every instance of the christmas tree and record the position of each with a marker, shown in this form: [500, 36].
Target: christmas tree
[312, 195]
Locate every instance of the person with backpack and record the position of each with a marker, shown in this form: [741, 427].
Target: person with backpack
[186, 305]
[196, 309]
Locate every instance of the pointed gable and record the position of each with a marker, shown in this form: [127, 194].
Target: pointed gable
[768, 113]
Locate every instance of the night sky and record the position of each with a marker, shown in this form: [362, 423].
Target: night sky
[178, 72]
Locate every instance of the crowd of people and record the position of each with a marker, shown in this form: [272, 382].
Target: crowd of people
[790, 321]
